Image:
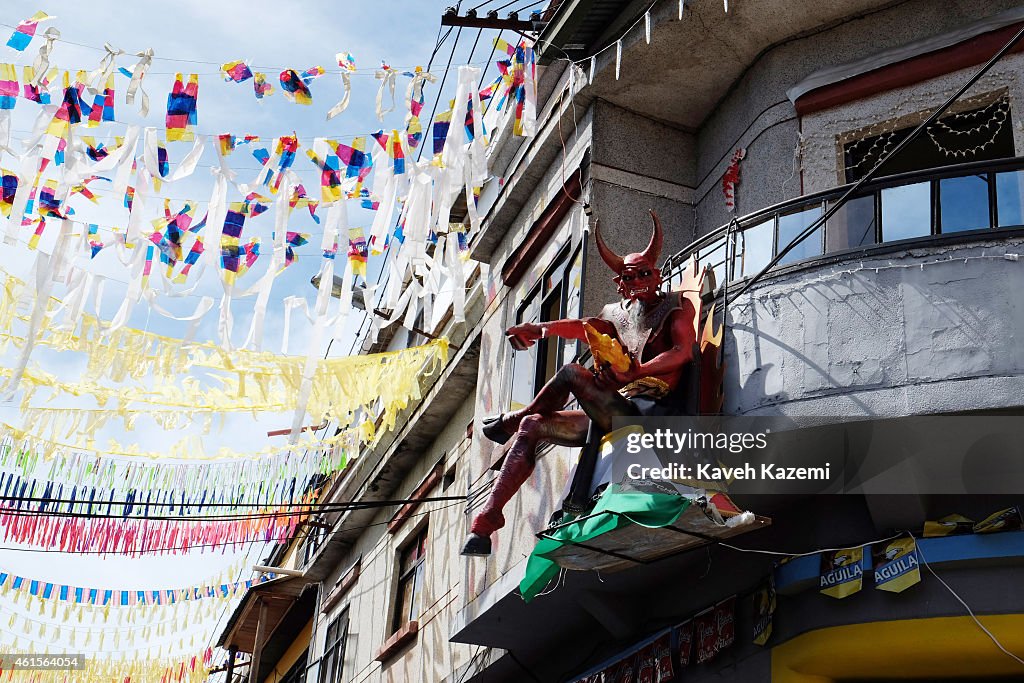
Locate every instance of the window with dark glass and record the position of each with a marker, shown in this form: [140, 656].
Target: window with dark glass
[979, 134]
[332, 664]
[555, 297]
[297, 672]
[411, 568]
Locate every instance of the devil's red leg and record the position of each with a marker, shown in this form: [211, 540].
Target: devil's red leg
[565, 428]
[599, 400]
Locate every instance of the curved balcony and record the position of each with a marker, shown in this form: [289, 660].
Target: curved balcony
[904, 302]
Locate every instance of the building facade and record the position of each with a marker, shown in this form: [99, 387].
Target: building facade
[739, 128]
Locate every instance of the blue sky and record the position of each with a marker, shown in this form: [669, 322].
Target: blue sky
[196, 36]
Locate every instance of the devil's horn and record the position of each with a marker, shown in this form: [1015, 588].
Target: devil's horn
[613, 260]
[653, 250]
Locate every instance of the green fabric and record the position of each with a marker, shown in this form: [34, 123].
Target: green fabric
[645, 509]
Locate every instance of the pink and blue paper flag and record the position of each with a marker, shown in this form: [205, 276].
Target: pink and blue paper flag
[311, 74]
[95, 243]
[7, 191]
[227, 143]
[236, 71]
[284, 152]
[357, 251]
[368, 201]
[293, 240]
[330, 176]
[26, 29]
[170, 231]
[236, 258]
[191, 259]
[295, 89]
[181, 108]
[392, 144]
[300, 199]
[103, 105]
[40, 94]
[260, 85]
[442, 122]
[8, 86]
[254, 204]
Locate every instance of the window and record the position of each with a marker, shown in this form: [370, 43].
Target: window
[332, 664]
[979, 134]
[297, 672]
[555, 297]
[853, 225]
[793, 224]
[410, 581]
[754, 249]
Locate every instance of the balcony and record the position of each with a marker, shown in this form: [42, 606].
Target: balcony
[896, 212]
[900, 304]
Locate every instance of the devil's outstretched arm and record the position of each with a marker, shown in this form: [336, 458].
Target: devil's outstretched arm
[523, 336]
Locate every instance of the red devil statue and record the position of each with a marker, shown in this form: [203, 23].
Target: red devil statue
[654, 328]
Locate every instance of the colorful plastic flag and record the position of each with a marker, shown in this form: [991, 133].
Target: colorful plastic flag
[293, 240]
[357, 251]
[228, 143]
[300, 199]
[296, 86]
[37, 93]
[275, 166]
[169, 232]
[9, 188]
[236, 258]
[103, 105]
[8, 86]
[95, 243]
[441, 124]
[330, 180]
[358, 163]
[236, 71]
[181, 108]
[414, 99]
[26, 29]
[260, 85]
[392, 144]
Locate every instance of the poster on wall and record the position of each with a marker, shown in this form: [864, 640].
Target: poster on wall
[841, 572]
[684, 637]
[725, 623]
[1004, 520]
[705, 633]
[896, 563]
[764, 611]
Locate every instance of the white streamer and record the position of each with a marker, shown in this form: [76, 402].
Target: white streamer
[135, 85]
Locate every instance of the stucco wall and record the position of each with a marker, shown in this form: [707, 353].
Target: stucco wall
[935, 329]
[371, 601]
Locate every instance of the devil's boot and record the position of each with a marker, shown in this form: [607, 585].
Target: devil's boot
[516, 469]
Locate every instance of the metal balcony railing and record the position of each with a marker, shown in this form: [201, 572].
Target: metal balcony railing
[904, 208]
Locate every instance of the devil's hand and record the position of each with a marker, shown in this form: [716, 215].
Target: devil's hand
[523, 336]
[625, 377]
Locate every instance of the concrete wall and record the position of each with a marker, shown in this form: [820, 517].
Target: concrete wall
[637, 164]
[823, 131]
[935, 329]
[430, 657]
[757, 115]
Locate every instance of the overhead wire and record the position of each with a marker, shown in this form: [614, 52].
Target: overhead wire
[221, 544]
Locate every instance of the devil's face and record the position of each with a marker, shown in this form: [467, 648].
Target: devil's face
[638, 280]
[636, 275]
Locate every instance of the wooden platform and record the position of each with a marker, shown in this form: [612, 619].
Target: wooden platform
[633, 545]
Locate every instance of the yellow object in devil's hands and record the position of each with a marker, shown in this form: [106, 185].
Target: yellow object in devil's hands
[606, 349]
